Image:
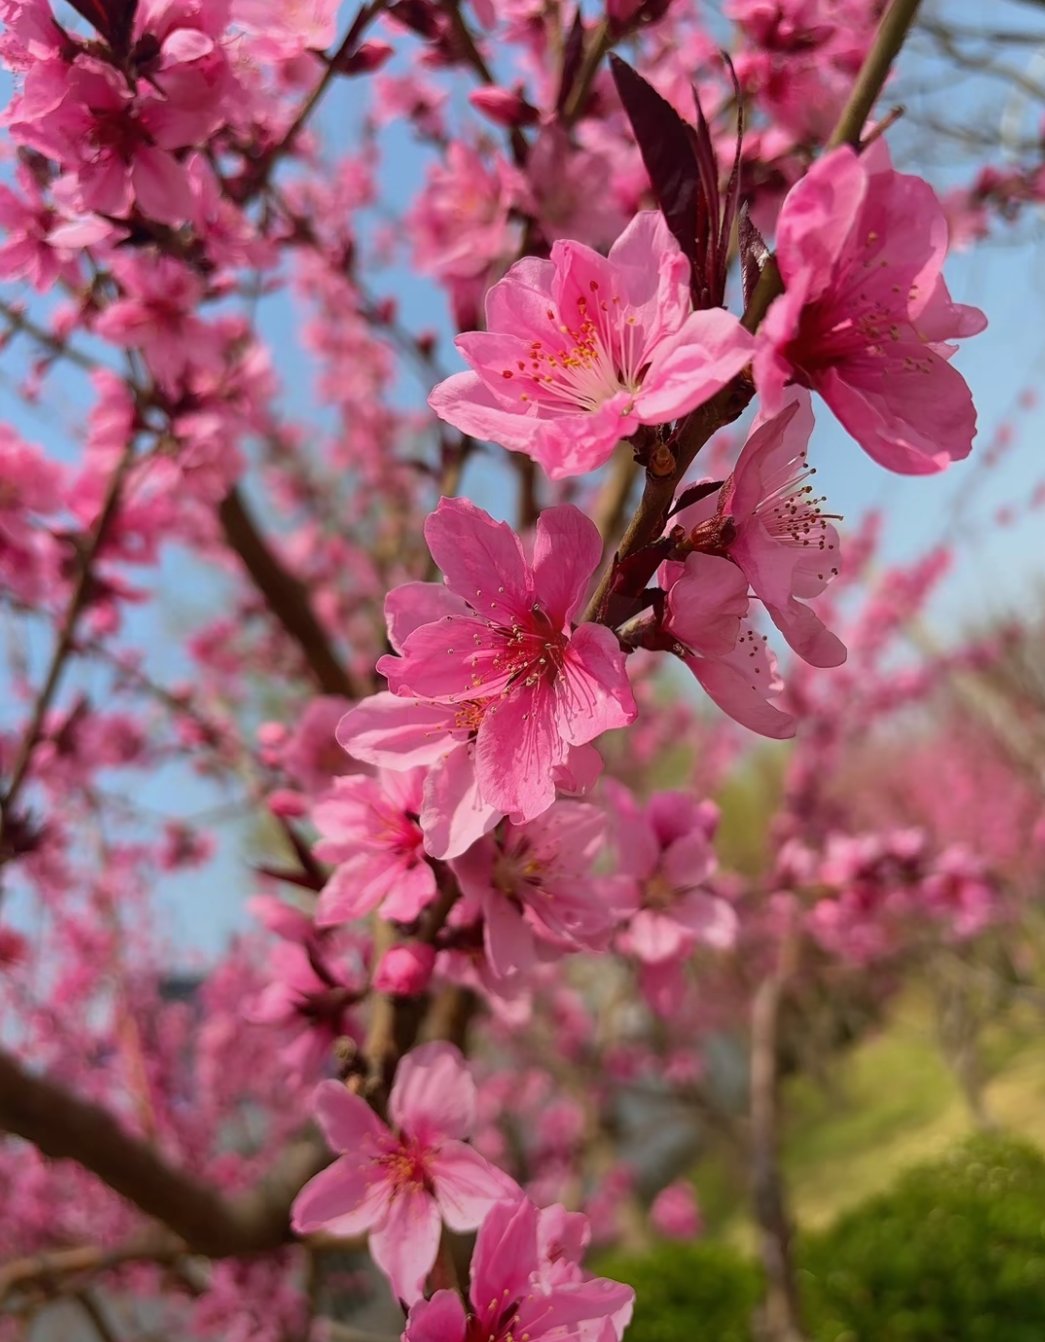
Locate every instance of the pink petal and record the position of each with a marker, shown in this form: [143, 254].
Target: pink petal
[356, 888]
[347, 1122]
[466, 1185]
[452, 660]
[413, 891]
[516, 751]
[706, 353]
[433, 1095]
[507, 938]
[345, 1199]
[453, 813]
[566, 552]
[441, 1319]
[592, 691]
[818, 217]
[706, 605]
[396, 733]
[406, 1244]
[482, 559]
[413, 604]
[464, 401]
[912, 412]
[733, 687]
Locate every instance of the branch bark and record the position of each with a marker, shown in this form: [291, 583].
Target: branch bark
[781, 1316]
[65, 1127]
[286, 597]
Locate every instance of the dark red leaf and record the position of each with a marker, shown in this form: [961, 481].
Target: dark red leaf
[694, 494]
[668, 151]
[572, 55]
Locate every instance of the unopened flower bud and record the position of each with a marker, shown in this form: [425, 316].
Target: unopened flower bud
[503, 107]
[405, 970]
[367, 57]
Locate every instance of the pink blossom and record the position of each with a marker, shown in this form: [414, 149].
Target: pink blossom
[665, 848]
[117, 148]
[310, 994]
[405, 970]
[370, 829]
[500, 647]
[866, 312]
[769, 522]
[706, 612]
[580, 350]
[29, 250]
[459, 222]
[536, 889]
[399, 1182]
[286, 28]
[311, 754]
[674, 1212]
[157, 314]
[525, 1282]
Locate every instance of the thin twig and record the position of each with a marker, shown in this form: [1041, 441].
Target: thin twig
[64, 642]
[285, 596]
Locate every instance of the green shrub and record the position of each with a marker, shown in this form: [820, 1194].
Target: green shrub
[703, 1292]
[954, 1252]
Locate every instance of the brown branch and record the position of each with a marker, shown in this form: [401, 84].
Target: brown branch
[97, 1316]
[63, 643]
[65, 1127]
[286, 597]
[781, 1313]
[347, 47]
[53, 1268]
[612, 502]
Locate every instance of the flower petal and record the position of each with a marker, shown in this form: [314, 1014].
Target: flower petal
[466, 1185]
[433, 1095]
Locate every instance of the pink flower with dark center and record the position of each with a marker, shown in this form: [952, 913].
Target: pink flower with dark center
[582, 349]
[865, 313]
[500, 648]
[536, 889]
[665, 847]
[770, 523]
[400, 1182]
[370, 829]
[518, 1291]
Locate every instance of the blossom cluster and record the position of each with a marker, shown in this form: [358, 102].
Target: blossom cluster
[457, 741]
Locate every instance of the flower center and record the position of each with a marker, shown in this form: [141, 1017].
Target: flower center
[585, 363]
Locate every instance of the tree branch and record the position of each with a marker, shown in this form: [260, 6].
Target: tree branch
[65, 1127]
[286, 597]
[63, 644]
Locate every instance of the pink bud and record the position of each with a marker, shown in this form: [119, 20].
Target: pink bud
[13, 947]
[674, 1213]
[405, 970]
[272, 733]
[367, 57]
[287, 803]
[503, 107]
